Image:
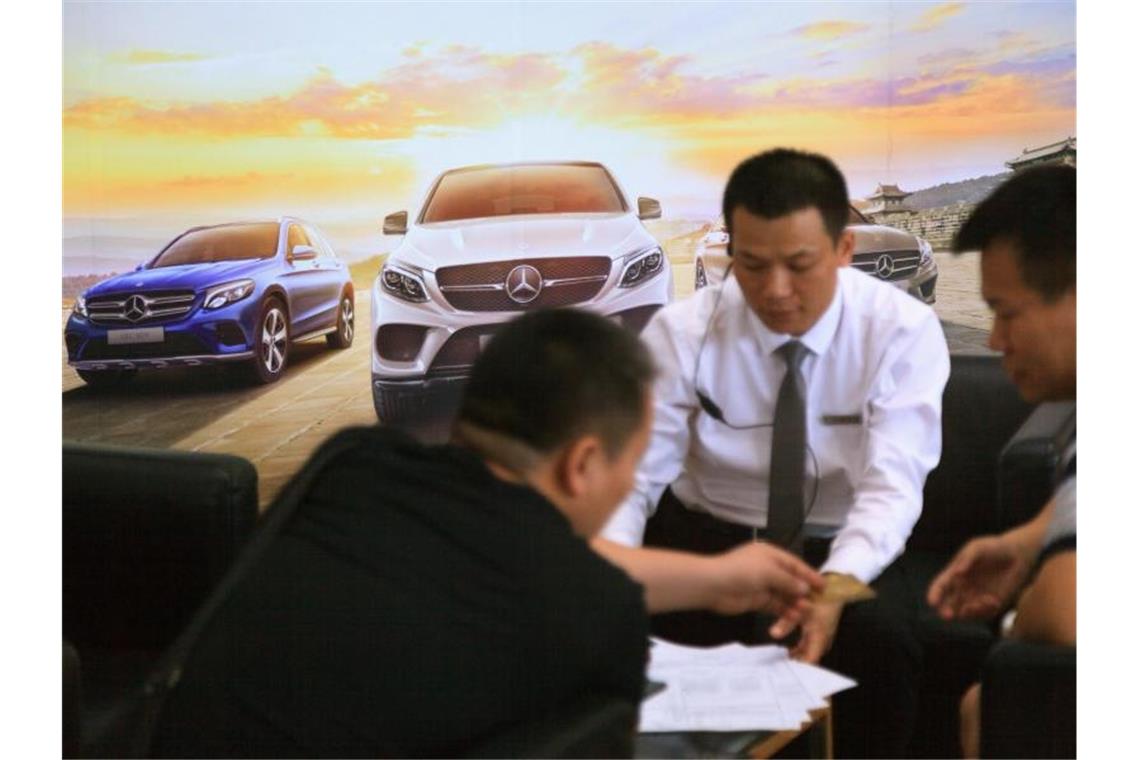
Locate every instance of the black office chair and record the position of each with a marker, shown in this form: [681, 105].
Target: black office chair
[999, 459]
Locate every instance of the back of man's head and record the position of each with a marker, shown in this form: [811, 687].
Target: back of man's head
[551, 376]
[781, 181]
[1035, 213]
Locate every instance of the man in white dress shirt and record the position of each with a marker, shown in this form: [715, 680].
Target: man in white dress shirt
[872, 363]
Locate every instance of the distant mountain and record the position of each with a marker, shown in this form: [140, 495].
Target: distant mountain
[949, 193]
[84, 265]
[100, 254]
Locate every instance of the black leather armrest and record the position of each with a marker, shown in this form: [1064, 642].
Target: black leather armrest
[146, 534]
[595, 726]
[1030, 459]
[1029, 701]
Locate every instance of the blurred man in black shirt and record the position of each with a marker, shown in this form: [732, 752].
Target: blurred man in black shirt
[425, 598]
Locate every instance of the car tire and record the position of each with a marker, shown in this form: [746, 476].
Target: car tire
[106, 378]
[342, 337]
[271, 342]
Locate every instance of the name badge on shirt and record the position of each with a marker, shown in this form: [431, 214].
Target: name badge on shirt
[842, 419]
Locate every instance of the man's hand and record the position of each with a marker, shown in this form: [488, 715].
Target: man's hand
[760, 576]
[817, 631]
[982, 579]
[753, 576]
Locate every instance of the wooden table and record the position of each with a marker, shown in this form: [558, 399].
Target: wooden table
[744, 744]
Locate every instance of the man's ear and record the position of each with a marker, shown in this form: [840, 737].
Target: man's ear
[578, 464]
[845, 248]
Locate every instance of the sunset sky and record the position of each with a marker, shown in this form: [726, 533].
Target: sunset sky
[183, 113]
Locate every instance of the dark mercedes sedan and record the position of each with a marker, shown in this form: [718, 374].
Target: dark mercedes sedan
[902, 259]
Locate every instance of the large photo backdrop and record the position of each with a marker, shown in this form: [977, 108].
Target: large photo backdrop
[184, 114]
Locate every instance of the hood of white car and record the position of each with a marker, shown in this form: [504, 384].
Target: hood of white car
[871, 238]
[517, 237]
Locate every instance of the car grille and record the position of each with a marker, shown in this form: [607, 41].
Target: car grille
[155, 307]
[483, 287]
[176, 344]
[903, 264]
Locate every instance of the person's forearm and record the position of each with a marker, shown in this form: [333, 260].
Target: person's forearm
[672, 580]
[1030, 537]
[873, 535]
[1047, 610]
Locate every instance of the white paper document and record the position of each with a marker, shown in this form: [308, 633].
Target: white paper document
[733, 688]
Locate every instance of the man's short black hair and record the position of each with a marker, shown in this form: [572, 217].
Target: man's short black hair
[1035, 212]
[552, 375]
[782, 181]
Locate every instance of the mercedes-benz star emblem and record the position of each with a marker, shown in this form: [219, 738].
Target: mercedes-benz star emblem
[136, 308]
[884, 266]
[524, 283]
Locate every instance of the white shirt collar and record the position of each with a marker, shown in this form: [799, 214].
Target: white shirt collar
[817, 338]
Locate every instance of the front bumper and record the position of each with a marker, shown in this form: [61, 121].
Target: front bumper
[408, 402]
[220, 336]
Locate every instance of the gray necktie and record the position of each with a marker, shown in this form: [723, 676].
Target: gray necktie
[789, 447]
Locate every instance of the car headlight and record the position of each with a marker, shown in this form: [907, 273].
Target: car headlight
[80, 306]
[641, 266]
[925, 252]
[403, 284]
[223, 295]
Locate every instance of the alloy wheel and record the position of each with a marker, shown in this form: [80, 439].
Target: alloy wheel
[347, 319]
[274, 336]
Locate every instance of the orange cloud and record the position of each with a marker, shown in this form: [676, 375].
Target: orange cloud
[986, 109]
[935, 17]
[462, 87]
[644, 87]
[154, 56]
[829, 31]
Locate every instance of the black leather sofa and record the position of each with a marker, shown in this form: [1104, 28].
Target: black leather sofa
[1029, 701]
[146, 535]
[999, 460]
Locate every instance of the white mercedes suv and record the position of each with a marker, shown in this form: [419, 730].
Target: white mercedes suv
[489, 242]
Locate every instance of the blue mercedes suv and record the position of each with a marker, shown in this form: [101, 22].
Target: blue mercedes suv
[233, 293]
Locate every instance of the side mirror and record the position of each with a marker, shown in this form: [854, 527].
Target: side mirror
[648, 208]
[303, 253]
[396, 224]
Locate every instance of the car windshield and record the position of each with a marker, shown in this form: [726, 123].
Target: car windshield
[229, 243]
[510, 190]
